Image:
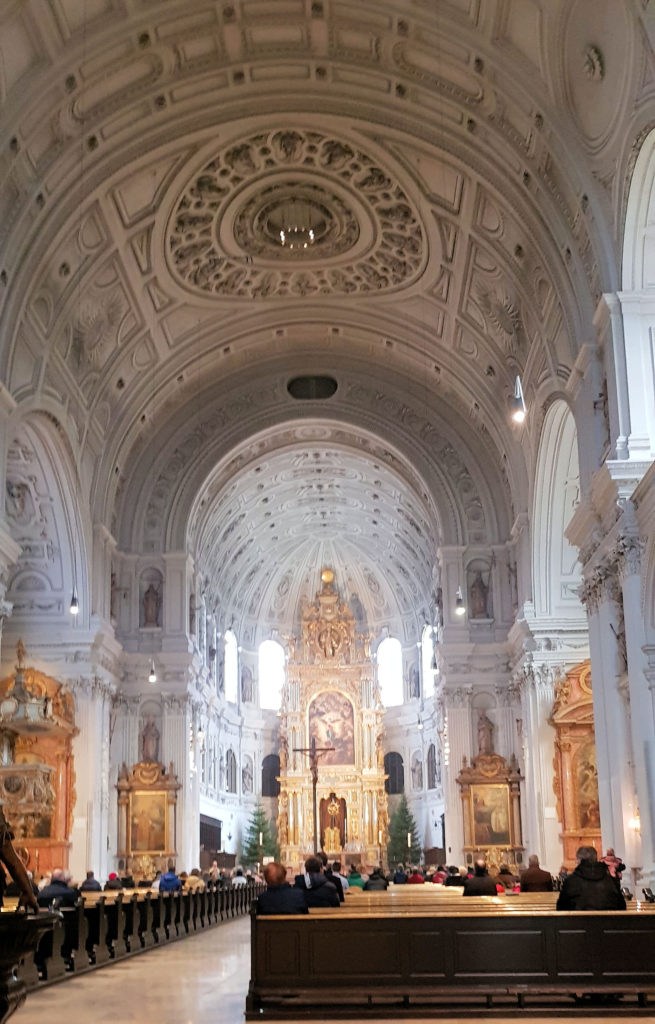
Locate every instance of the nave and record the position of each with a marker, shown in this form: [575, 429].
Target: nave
[201, 981]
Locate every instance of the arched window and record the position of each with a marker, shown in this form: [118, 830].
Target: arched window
[271, 674]
[390, 672]
[427, 655]
[270, 772]
[432, 767]
[231, 667]
[230, 772]
[393, 767]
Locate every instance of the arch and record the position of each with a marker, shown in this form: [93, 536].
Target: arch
[271, 674]
[230, 771]
[45, 517]
[395, 770]
[639, 234]
[390, 672]
[556, 572]
[270, 775]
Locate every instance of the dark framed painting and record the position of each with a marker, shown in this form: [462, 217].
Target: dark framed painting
[490, 809]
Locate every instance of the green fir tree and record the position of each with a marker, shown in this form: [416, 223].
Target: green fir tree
[254, 851]
[401, 825]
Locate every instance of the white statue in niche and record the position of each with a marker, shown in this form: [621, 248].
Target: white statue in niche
[150, 741]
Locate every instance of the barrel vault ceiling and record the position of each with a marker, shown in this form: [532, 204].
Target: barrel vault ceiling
[462, 169]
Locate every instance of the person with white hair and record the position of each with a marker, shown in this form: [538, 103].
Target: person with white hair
[58, 891]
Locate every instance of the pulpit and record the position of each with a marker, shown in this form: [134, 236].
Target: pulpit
[331, 704]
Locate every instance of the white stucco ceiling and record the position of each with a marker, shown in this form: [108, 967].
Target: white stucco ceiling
[465, 168]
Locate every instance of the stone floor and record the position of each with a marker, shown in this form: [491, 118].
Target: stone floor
[202, 980]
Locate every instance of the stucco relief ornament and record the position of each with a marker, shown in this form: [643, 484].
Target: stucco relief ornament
[291, 213]
[594, 64]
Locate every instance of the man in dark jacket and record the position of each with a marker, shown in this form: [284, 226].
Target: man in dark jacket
[90, 883]
[58, 891]
[376, 881]
[590, 886]
[482, 884]
[318, 891]
[280, 897]
[534, 878]
[330, 875]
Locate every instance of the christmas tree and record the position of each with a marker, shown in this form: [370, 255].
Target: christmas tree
[402, 828]
[259, 840]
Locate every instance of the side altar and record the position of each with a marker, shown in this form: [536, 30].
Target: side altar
[331, 720]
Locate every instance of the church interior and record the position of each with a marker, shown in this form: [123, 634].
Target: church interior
[327, 392]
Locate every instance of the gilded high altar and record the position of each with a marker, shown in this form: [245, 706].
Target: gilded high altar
[331, 695]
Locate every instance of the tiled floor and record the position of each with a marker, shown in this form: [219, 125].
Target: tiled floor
[202, 980]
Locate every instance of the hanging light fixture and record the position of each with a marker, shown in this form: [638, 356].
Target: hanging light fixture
[459, 602]
[74, 607]
[419, 724]
[152, 675]
[518, 402]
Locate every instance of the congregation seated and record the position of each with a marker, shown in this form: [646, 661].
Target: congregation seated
[280, 897]
[355, 880]
[590, 886]
[437, 875]
[169, 882]
[534, 878]
[376, 881]
[193, 882]
[415, 877]
[330, 875]
[239, 878]
[154, 885]
[318, 890]
[454, 877]
[58, 891]
[481, 884]
[505, 878]
[113, 883]
[14, 889]
[336, 870]
[399, 875]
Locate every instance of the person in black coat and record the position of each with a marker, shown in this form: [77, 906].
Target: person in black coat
[58, 892]
[376, 881]
[90, 883]
[331, 877]
[482, 884]
[590, 886]
[280, 897]
[319, 892]
[453, 877]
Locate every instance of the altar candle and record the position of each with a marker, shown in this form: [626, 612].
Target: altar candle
[261, 836]
[379, 837]
[409, 840]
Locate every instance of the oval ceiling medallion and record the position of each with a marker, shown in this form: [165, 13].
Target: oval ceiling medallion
[312, 387]
[293, 213]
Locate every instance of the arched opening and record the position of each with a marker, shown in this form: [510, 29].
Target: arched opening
[271, 674]
[270, 773]
[390, 672]
[394, 768]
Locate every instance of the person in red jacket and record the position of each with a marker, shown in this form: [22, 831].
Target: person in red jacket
[415, 877]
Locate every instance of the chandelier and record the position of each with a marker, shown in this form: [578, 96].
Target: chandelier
[298, 222]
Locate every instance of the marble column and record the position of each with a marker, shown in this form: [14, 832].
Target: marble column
[89, 850]
[540, 825]
[175, 744]
[457, 706]
[611, 714]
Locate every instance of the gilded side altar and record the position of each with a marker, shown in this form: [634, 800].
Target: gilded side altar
[331, 696]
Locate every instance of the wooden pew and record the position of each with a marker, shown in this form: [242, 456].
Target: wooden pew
[421, 950]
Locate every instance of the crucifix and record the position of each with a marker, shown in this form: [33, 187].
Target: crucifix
[314, 753]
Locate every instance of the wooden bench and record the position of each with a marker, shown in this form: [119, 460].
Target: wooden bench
[442, 953]
[107, 926]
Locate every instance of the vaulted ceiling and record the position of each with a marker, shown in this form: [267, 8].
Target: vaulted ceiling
[462, 166]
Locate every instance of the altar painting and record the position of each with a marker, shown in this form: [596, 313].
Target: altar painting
[332, 722]
[491, 815]
[148, 822]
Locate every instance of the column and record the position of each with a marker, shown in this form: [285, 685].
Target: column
[611, 724]
[642, 717]
[540, 825]
[176, 735]
[90, 830]
[457, 704]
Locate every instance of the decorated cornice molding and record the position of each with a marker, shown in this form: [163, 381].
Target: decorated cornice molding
[459, 697]
[93, 687]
